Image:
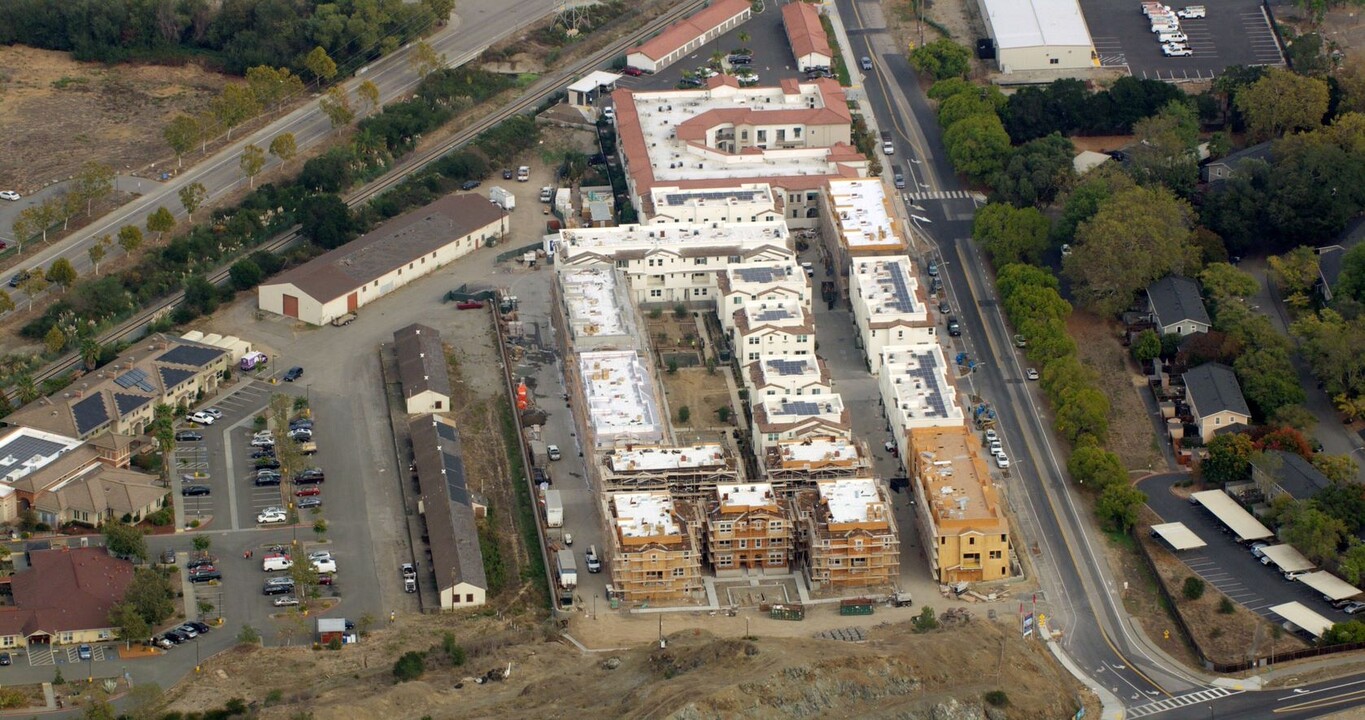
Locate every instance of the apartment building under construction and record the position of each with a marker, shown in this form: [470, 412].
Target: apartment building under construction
[850, 535]
[749, 529]
[959, 513]
[655, 554]
[692, 471]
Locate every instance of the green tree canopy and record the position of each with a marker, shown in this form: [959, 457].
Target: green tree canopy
[1036, 172]
[1282, 101]
[941, 59]
[1138, 236]
[977, 145]
[125, 540]
[1011, 235]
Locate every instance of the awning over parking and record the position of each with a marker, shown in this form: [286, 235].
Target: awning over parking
[1287, 559]
[1238, 520]
[1178, 536]
[1307, 620]
[1331, 586]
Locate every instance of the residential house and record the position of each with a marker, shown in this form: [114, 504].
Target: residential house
[1176, 306]
[787, 376]
[773, 330]
[1215, 399]
[1216, 171]
[64, 598]
[789, 417]
[889, 306]
[961, 520]
[749, 529]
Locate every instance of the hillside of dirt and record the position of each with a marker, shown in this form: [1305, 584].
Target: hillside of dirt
[943, 674]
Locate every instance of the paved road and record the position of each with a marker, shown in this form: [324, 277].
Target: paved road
[478, 24]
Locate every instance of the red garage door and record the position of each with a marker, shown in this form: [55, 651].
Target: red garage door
[291, 306]
[352, 302]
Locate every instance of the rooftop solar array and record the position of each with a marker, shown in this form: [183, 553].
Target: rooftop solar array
[760, 274]
[925, 370]
[127, 403]
[192, 355]
[135, 378]
[788, 367]
[90, 414]
[24, 447]
[453, 460]
[680, 198]
[170, 377]
[771, 315]
[902, 300]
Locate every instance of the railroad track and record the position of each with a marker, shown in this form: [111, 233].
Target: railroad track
[543, 89]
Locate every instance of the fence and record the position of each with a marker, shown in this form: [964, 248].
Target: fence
[517, 252]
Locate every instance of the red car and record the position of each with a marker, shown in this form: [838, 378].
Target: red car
[633, 71]
[306, 491]
[325, 579]
[469, 305]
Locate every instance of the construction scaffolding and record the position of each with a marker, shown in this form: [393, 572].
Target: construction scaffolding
[800, 464]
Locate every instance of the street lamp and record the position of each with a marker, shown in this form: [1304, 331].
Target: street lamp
[196, 655]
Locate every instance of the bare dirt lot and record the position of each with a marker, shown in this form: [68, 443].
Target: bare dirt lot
[702, 393]
[1131, 435]
[895, 673]
[59, 113]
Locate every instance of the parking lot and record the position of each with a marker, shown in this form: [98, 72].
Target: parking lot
[1234, 33]
[773, 61]
[1229, 565]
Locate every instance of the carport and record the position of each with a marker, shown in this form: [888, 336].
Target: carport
[1332, 587]
[1303, 618]
[1178, 536]
[1287, 559]
[1237, 519]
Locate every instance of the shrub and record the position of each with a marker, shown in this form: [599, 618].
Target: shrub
[926, 620]
[453, 650]
[1226, 606]
[409, 667]
[997, 698]
[684, 414]
[1193, 589]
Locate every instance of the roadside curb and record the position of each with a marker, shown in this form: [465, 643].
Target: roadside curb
[1111, 707]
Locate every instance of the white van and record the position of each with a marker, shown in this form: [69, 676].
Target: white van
[594, 562]
[325, 566]
[275, 563]
[1172, 37]
[1165, 27]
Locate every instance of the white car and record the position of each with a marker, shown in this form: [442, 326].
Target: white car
[1031, 374]
[992, 436]
[271, 516]
[286, 601]
[320, 555]
[201, 417]
[609, 113]
[215, 412]
[1002, 461]
[1066, 249]
[9, 195]
[997, 449]
[325, 566]
[1193, 12]
[1295, 574]
[1176, 51]
[1165, 27]
[706, 73]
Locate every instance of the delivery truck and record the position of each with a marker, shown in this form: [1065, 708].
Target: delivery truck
[502, 198]
[567, 570]
[554, 509]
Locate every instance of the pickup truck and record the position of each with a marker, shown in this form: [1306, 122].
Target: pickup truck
[524, 173]
[409, 578]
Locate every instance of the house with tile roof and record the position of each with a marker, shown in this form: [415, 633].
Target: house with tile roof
[64, 598]
[64, 480]
[686, 36]
[122, 396]
[806, 35]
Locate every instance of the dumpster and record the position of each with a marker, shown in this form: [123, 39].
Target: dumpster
[791, 611]
[855, 606]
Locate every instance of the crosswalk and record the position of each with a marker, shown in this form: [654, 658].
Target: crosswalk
[1179, 701]
[948, 195]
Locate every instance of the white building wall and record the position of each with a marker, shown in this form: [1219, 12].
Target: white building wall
[463, 595]
[794, 291]
[875, 339]
[773, 342]
[1068, 57]
[428, 401]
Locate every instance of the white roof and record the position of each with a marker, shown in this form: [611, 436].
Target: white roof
[792, 408]
[593, 301]
[757, 277]
[1238, 520]
[1311, 622]
[609, 241]
[594, 80]
[743, 194]
[851, 499]
[889, 288]
[818, 450]
[918, 377]
[619, 394]
[644, 514]
[1331, 586]
[862, 213]
[745, 495]
[1287, 559]
[1179, 536]
[667, 458]
[1036, 23]
[1088, 160]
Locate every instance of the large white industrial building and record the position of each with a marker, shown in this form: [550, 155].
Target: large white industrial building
[1039, 34]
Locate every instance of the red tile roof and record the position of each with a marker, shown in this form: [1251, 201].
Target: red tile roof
[685, 31]
[804, 31]
[66, 590]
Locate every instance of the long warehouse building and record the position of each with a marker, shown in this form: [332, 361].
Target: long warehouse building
[1039, 35]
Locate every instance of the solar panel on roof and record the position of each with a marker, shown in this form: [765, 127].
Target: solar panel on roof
[135, 378]
[904, 301]
[759, 274]
[767, 315]
[788, 367]
[802, 407]
[677, 198]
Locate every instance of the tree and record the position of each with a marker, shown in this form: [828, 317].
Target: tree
[252, 160]
[941, 59]
[61, 273]
[234, 106]
[1224, 281]
[192, 196]
[284, 147]
[1282, 101]
[160, 222]
[1228, 461]
[181, 133]
[6, 303]
[151, 595]
[1011, 235]
[201, 295]
[1095, 467]
[1036, 172]
[131, 626]
[409, 667]
[1083, 412]
[1337, 468]
[91, 350]
[245, 274]
[1295, 273]
[55, 340]
[964, 105]
[369, 92]
[124, 540]
[325, 220]
[336, 105]
[320, 64]
[977, 145]
[1351, 283]
[33, 284]
[23, 228]
[163, 431]
[1314, 533]
[1193, 588]
[1138, 236]
[1268, 380]
[98, 250]
[926, 620]
[1352, 563]
[1147, 346]
[1117, 507]
[425, 60]
[129, 238]
[1167, 149]
[95, 181]
[271, 85]
[99, 710]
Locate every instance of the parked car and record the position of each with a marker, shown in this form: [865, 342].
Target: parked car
[286, 601]
[326, 579]
[196, 490]
[307, 491]
[201, 628]
[310, 475]
[269, 589]
[83, 651]
[469, 305]
[268, 463]
[992, 436]
[205, 575]
[552, 452]
[174, 636]
[268, 477]
[1193, 12]
[11, 196]
[1176, 51]
[1002, 461]
[263, 442]
[325, 566]
[215, 412]
[632, 71]
[293, 373]
[200, 562]
[200, 418]
[267, 518]
[1031, 374]
[301, 434]
[264, 452]
[470, 184]
[188, 436]
[309, 502]
[933, 268]
[866, 63]
[301, 424]
[189, 631]
[1258, 549]
[4, 658]
[317, 555]
[539, 476]
[168, 557]
[1350, 608]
